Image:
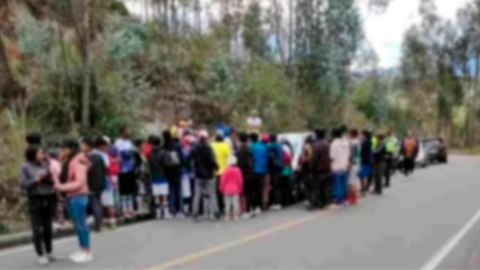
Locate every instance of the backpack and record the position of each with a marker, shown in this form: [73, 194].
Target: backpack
[127, 161]
[171, 158]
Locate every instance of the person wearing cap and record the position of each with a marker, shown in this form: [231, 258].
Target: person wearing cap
[74, 182]
[222, 152]
[203, 162]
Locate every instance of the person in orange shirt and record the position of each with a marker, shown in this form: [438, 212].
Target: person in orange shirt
[409, 153]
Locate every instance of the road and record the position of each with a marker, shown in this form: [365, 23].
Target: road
[428, 221]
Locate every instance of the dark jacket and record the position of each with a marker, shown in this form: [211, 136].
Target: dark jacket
[321, 162]
[203, 161]
[96, 173]
[366, 152]
[380, 153]
[156, 164]
[28, 175]
[170, 147]
[245, 159]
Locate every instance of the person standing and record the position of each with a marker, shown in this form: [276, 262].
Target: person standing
[97, 173]
[245, 163]
[321, 168]
[231, 186]
[275, 170]
[173, 160]
[379, 159]
[112, 168]
[366, 161]
[222, 152]
[36, 179]
[390, 145]
[126, 177]
[340, 155]
[354, 185]
[160, 188]
[305, 163]
[204, 167]
[285, 183]
[74, 177]
[409, 152]
[260, 169]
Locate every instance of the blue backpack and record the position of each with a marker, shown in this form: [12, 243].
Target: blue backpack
[127, 161]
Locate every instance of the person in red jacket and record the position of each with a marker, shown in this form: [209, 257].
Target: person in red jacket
[231, 186]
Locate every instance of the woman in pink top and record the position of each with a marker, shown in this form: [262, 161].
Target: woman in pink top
[231, 186]
[73, 182]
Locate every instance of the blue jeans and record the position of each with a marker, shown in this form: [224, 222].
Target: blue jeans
[77, 209]
[340, 186]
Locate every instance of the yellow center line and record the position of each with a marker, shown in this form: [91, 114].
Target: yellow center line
[242, 240]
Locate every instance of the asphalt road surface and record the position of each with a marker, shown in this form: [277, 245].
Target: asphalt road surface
[425, 222]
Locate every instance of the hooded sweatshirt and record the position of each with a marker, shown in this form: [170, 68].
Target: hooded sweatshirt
[231, 182]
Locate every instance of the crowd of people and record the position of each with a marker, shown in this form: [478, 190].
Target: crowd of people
[187, 172]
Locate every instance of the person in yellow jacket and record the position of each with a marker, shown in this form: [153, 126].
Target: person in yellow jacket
[222, 152]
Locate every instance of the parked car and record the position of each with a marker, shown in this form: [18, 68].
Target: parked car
[431, 150]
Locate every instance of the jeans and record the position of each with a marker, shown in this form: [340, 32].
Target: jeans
[340, 186]
[97, 209]
[205, 188]
[232, 202]
[127, 204]
[77, 207]
[41, 209]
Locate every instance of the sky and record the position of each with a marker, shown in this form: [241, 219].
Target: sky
[383, 31]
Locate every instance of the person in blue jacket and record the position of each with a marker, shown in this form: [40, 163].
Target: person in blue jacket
[260, 169]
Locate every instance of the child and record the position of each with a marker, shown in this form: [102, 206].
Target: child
[231, 186]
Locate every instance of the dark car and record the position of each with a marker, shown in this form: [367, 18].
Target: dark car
[434, 150]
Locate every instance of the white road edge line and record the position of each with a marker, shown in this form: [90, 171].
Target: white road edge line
[435, 261]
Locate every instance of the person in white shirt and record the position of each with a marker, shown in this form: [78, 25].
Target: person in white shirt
[254, 123]
[340, 154]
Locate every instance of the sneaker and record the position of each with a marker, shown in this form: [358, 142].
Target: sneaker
[167, 215]
[180, 216]
[258, 211]
[83, 257]
[235, 218]
[158, 214]
[247, 215]
[43, 260]
[276, 207]
[54, 258]
[75, 255]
